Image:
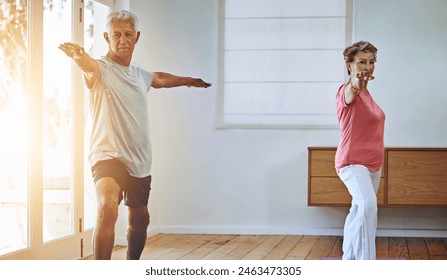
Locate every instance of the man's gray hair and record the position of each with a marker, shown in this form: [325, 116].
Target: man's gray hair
[123, 14]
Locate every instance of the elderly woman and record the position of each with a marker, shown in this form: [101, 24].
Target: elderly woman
[360, 151]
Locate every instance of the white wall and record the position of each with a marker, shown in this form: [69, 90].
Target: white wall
[121, 5]
[255, 181]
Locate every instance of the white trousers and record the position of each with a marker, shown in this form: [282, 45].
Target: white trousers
[359, 241]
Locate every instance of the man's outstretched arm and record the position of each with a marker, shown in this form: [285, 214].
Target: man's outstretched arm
[88, 65]
[166, 80]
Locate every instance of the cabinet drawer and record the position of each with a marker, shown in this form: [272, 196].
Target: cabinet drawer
[322, 163]
[417, 178]
[331, 191]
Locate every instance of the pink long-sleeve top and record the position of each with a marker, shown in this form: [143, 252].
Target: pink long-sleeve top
[362, 126]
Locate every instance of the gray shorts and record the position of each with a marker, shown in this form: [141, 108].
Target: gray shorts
[135, 191]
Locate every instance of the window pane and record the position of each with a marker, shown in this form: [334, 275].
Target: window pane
[57, 114]
[13, 126]
[95, 16]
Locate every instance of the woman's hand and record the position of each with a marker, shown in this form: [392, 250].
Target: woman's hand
[359, 80]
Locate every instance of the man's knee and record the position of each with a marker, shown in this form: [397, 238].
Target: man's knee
[139, 218]
[107, 213]
[107, 191]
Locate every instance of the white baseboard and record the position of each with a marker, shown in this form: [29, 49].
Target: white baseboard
[429, 233]
[435, 233]
[247, 230]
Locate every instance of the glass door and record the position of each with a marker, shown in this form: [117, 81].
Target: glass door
[14, 115]
[58, 108]
[47, 201]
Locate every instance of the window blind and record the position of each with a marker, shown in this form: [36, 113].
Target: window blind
[281, 62]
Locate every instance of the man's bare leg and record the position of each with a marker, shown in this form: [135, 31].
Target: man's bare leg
[137, 231]
[107, 193]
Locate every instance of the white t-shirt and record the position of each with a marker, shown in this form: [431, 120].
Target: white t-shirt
[120, 117]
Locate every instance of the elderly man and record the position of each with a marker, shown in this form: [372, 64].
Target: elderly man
[120, 150]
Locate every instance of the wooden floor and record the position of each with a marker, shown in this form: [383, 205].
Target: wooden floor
[278, 247]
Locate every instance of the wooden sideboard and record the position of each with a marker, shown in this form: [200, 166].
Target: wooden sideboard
[411, 177]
